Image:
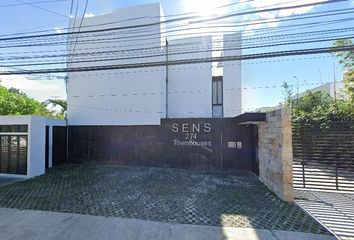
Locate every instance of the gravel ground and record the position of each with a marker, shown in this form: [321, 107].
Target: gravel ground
[234, 199]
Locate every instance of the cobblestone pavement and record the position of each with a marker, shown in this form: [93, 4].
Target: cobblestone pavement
[235, 199]
[333, 209]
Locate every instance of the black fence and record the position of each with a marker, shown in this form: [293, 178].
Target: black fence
[59, 145]
[210, 144]
[324, 158]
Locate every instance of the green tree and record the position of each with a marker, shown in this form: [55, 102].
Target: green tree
[57, 103]
[346, 59]
[287, 92]
[318, 109]
[15, 102]
[17, 91]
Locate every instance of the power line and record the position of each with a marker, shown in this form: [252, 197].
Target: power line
[77, 36]
[106, 40]
[176, 20]
[302, 41]
[266, 30]
[144, 64]
[42, 26]
[48, 76]
[131, 19]
[190, 61]
[325, 13]
[134, 94]
[135, 71]
[97, 41]
[37, 2]
[174, 48]
[44, 9]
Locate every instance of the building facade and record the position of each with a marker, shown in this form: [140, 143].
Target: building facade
[130, 104]
[145, 95]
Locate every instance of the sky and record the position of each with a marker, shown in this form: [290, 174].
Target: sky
[257, 75]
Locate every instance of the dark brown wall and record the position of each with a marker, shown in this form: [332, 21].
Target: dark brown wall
[163, 145]
[59, 145]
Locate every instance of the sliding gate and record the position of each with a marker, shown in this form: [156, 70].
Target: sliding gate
[324, 157]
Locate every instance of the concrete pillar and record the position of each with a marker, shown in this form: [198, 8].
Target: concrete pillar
[275, 153]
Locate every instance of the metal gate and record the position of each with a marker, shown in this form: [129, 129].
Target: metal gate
[324, 158]
[13, 149]
[59, 145]
[192, 143]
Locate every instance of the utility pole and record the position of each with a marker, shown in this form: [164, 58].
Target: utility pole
[334, 82]
[166, 78]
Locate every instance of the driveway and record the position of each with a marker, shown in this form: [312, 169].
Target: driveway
[333, 209]
[9, 180]
[235, 199]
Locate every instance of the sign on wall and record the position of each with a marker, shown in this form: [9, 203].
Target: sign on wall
[198, 143]
[192, 134]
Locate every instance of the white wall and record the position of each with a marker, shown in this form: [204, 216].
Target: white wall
[189, 85]
[36, 143]
[232, 77]
[138, 96]
[17, 120]
[118, 97]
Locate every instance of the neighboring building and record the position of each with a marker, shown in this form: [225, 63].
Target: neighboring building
[138, 96]
[30, 144]
[333, 89]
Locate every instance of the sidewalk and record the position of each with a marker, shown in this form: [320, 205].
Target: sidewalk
[30, 225]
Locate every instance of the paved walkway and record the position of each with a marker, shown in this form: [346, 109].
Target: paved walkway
[30, 225]
[333, 209]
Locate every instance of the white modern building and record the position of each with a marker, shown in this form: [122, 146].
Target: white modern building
[134, 98]
[123, 96]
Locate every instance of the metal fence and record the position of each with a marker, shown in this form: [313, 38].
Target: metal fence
[324, 158]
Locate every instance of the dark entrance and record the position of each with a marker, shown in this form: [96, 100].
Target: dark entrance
[59, 145]
[205, 143]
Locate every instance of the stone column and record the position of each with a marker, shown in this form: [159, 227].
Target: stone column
[275, 153]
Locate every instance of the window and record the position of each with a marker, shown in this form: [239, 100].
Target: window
[13, 154]
[13, 128]
[13, 149]
[217, 97]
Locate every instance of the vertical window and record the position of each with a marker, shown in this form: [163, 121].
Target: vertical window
[217, 97]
